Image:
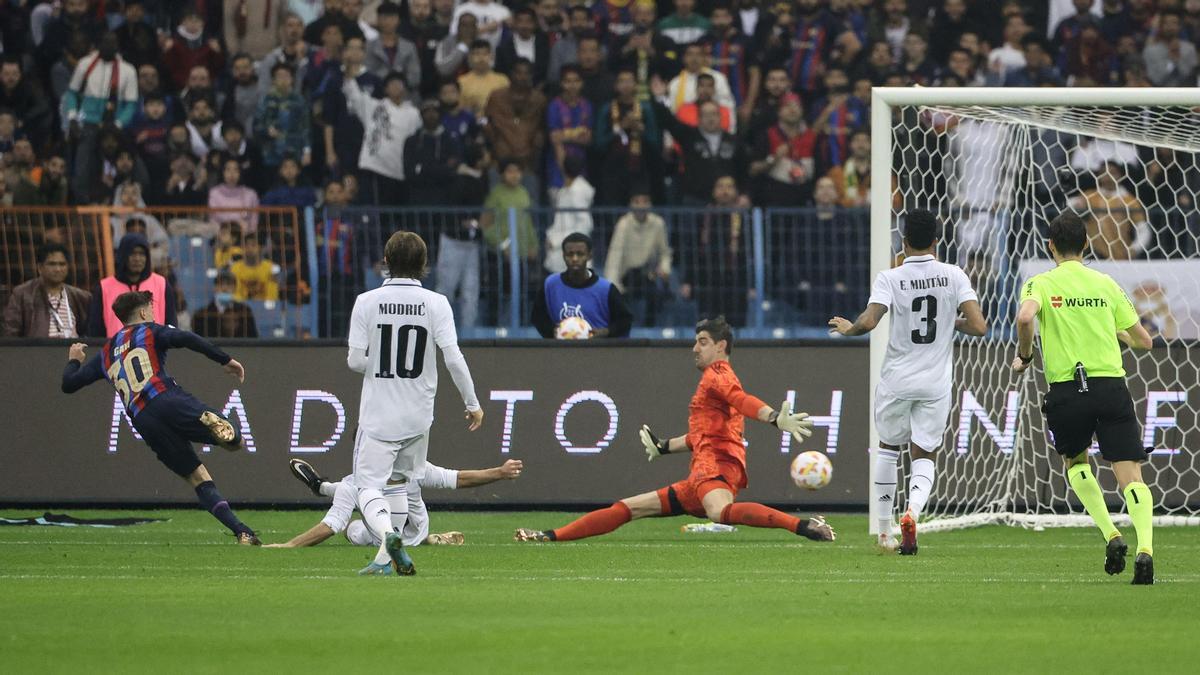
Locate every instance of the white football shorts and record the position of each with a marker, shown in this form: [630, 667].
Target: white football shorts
[901, 421]
[376, 462]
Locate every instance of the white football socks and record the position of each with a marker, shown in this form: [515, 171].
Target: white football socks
[920, 485]
[378, 515]
[397, 497]
[328, 489]
[883, 492]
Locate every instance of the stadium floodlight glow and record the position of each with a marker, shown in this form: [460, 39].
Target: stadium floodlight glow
[997, 164]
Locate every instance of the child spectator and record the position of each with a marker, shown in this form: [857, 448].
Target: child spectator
[288, 191]
[227, 247]
[572, 206]
[282, 121]
[149, 134]
[508, 193]
[255, 274]
[480, 81]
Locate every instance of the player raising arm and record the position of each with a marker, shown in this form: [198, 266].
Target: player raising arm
[912, 400]
[393, 332]
[168, 418]
[718, 468]
[415, 530]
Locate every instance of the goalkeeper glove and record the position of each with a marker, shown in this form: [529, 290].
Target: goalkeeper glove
[797, 424]
[654, 447]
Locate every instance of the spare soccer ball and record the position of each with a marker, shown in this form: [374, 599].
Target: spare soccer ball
[811, 470]
[573, 328]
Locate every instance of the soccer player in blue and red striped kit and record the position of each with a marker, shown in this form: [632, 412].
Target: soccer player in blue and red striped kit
[168, 417]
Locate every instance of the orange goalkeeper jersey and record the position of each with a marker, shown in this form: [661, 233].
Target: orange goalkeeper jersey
[716, 415]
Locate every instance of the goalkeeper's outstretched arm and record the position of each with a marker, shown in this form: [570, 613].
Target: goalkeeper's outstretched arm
[657, 447]
[865, 323]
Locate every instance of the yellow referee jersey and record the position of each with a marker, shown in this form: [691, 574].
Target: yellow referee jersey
[1080, 311]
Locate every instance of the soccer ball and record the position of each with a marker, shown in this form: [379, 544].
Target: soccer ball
[811, 470]
[573, 328]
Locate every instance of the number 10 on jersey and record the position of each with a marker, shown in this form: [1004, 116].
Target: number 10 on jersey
[405, 369]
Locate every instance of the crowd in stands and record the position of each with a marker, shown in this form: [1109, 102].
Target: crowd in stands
[489, 105]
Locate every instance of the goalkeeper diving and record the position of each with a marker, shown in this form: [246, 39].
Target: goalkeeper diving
[716, 417]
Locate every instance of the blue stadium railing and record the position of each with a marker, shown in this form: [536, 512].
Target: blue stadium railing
[776, 273]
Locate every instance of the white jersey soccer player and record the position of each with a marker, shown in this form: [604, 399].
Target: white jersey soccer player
[415, 529]
[912, 399]
[393, 332]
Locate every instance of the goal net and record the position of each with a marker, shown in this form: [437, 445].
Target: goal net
[997, 165]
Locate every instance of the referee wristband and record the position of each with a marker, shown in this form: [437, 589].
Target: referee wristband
[1025, 359]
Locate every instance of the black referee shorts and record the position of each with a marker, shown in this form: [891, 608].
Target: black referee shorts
[1105, 411]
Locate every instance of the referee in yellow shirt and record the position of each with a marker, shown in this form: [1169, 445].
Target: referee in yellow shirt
[1083, 315]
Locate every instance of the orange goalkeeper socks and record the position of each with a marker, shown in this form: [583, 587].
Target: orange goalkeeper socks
[601, 521]
[757, 515]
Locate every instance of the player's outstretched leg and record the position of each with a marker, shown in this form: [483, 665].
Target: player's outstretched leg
[601, 521]
[720, 508]
[212, 501]
[757, 515]
[223, 431]
[1088, 492]
[307, 474]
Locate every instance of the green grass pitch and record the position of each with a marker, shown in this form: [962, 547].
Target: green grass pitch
[181, 597]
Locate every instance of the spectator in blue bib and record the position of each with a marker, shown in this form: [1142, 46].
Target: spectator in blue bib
[579, 303]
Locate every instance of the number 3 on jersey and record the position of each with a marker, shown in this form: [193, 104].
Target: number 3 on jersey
[131, 374]
[927, 334]
[419, 336]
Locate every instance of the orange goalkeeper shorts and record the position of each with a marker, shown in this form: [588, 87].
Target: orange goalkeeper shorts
[687, 495]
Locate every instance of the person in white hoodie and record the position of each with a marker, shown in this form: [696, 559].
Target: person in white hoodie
[571, 204]
[387, 123]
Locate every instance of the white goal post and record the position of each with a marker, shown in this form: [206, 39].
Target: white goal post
[996, 164]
